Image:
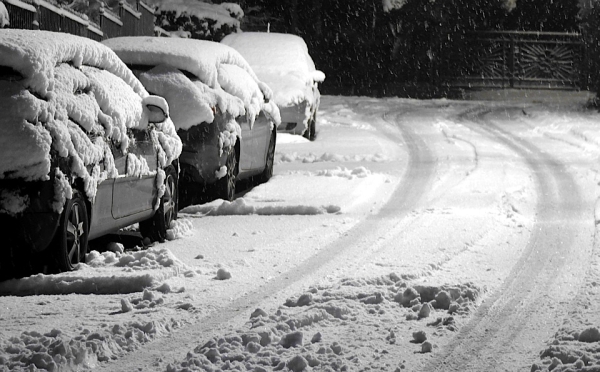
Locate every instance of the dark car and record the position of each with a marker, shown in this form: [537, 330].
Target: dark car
[221, 110]
[85, 150]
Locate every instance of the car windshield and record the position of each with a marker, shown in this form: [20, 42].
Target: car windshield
[138, 69]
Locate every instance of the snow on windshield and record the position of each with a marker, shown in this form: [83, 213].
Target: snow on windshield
[282, 61]
[68, 94]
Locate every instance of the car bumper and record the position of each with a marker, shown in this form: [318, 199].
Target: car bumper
[294, 118]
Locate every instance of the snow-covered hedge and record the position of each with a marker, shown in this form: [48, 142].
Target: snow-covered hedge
[198, 20]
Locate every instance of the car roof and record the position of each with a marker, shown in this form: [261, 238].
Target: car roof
[271, 50]
[200, 57]
[35, 54]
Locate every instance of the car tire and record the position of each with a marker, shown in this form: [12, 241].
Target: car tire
[269, 161]
[225, 186]
[71, 239]
[310, 132]
[155, 228]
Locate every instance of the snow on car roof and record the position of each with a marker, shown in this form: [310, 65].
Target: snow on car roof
[36, 53]
[212, 63]
[199, 57]
[280, 60]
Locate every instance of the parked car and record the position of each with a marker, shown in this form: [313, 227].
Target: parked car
[221, 110]
[282, 61]
[85, 150]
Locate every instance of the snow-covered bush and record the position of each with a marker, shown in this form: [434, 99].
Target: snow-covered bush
[196, 19]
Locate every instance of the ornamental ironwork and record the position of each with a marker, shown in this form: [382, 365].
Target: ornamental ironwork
[517, 60]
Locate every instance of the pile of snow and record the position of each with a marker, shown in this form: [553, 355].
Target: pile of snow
[572, 350]
[239, 207]
[71, 96]
[225, 82]
[283, 62]
[105, 273]
[180, 228]
[55, 351]
[328, 157]
[304, 333]
[359, 172]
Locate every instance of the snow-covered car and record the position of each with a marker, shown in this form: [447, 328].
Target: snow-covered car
[221, 110]
[283, 62]
[85, 150]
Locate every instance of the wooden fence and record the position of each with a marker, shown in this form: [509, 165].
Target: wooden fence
[131, 20]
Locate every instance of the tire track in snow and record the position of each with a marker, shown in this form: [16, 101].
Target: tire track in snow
[511, 326]
[448, 137]
[453, 137]
[401, 119]
[353, 246]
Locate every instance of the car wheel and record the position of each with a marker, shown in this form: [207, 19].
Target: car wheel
[313, 129]
[268, 171]
[310, 132]
[71, 239]
[155, 228]
[225, 186]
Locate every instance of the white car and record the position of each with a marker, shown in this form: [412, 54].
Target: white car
[84, 151]
[221, 110]
[282, 61]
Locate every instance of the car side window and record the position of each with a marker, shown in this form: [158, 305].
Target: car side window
[244, 122]
[142, 145]
[9, 74]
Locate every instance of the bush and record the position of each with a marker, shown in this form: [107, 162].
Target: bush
[428, 31]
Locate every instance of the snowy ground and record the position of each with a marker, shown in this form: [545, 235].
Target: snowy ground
[411, 235]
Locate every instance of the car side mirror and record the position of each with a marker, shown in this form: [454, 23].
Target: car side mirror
[156, 108]
[318, 76]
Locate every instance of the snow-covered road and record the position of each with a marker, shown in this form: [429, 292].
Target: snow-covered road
[411, 235]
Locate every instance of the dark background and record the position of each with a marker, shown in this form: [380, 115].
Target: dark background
[361, 48]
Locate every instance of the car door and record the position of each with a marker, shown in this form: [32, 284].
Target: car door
[134, 189]
[261, 131]
[247, 145]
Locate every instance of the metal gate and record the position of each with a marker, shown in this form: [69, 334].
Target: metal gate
[512, 59]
